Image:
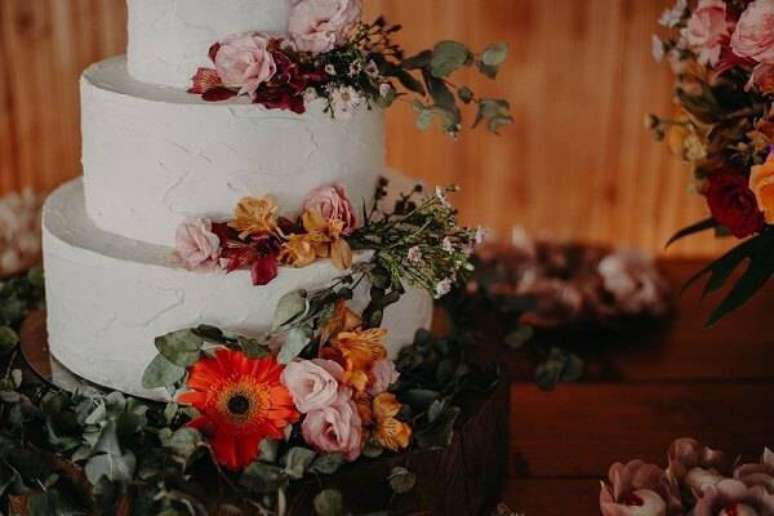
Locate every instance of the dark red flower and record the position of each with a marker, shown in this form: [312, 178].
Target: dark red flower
[286, 89]
[733, 204]
[264, 269]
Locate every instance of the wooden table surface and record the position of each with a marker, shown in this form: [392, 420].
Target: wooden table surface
[716, 385]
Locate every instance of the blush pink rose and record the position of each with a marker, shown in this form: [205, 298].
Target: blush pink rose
[244, 61]
[762, 78]
[731, 497]
[196, 246]
[383, 374]
[638, 489]
[708, 30]
[319, 26]
[313, 384]
[754, 34]
[336, 428]
[332, 202]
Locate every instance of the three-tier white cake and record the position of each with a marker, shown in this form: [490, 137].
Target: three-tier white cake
[153, 156]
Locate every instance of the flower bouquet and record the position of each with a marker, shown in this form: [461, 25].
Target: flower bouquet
[722, 53]
[698, 481]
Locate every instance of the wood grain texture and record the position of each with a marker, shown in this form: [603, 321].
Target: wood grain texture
[577, 165]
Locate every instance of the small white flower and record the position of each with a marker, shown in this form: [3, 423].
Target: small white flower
[657, 48]
[346, 100]
[415, 255]
[372, 69]
[447, 245]
[310, 94]
[672, 17]
[355, 68]
[442, 288]
[330, 69]
[385, 90]
[440, 193]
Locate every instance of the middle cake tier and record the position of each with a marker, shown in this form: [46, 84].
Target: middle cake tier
[153, 156]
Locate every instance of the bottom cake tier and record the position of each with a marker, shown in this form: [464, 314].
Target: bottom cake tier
[109, 297]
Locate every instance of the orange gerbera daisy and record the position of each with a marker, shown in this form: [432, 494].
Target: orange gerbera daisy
[241, 402]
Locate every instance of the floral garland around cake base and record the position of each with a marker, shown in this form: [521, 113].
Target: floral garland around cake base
[248, 427]
[331, 55]
[722, 53]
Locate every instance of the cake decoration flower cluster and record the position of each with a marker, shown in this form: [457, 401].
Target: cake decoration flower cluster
[722, 53]
[698, 481]
[419, 242]
[330, 54]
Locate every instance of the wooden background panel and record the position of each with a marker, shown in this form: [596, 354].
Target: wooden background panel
[578, 164]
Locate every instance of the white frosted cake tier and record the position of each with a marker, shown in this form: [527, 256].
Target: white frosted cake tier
[153, 156]
[108, 297]
[169, 39]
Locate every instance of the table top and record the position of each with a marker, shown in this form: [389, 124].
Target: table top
[716, 385]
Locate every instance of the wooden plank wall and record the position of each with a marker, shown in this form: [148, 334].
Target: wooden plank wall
[578, 164]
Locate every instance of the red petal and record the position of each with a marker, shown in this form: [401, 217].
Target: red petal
[264, 270]
[218, 94]
[214, 49]
[238, 257]
[206, 79]
[224, 232]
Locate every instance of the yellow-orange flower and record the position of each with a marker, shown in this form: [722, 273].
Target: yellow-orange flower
[393, 434]
[364, 409]
[255, 215]
[325, 236]
[241, 402]
[386, 405]
[343, 319]
[356, 351]
[297, 252]
[762, 184]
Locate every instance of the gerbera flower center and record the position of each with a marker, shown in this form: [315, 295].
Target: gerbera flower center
[238, 405]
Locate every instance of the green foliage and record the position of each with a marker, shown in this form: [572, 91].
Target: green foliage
[401, 480]
[329, 503]
[559, 366]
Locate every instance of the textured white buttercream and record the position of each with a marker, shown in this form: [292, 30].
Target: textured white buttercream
[169, 39]
[108, 297]
[153, 156]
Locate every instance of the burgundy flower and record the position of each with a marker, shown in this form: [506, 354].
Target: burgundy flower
[287, 87]
[264, 269]
[733, 204]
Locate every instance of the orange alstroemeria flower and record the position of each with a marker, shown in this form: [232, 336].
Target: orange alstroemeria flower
[254, 216]
[343, 319]
[762, 185]
[241, 401]
[390, 432]
[356, 351]
[297, 252]
[326, 238]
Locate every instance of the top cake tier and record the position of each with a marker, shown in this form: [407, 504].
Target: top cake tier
[169, 39]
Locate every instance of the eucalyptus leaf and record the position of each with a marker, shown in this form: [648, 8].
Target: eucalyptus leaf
[161, 373]
[291, 307]
[269, 450]
[327, 463]
[263, 478]
[116, 468]
[182, 348]
[519, 337]
[253, 348]
[8, 340]
[329, 503]
[448, 57]
[440, 432]
[294, 344]
[465, 94]
[297, 460]
[495, 54]
[759, 271]
[401, 480]
[184, 442]
[418, 61]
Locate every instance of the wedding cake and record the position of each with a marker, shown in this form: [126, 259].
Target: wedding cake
[154, 156]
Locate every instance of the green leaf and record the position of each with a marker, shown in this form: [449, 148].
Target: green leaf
[269, 450]
[329, 503]
[496, 112]
[295, 343]
[759, 271]
[420, 399]
[253, 348]
[722, 268]
[466, 95]
[495, 54]
[161, 373]
[418, 61]
[290, 308]
[116, 468]
[182, 348]
[184, 442]
[297, 461]
[693, 229]
[519, 337]
[410, 82]
[402, 480]
[448, 57]
[440, 432]
[8, 340]
[263, 478]
[327, 464]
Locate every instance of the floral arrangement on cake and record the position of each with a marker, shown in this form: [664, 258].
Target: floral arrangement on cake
[722, 53]
[254, 421]
[419, 240]
[20, 239]
[330, 54]
[698, 481]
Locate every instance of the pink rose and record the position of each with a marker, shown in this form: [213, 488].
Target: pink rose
[761, 474]
[762, 78]
[708, 30]
[196, 246]
[314, 384]
[332, 202]
[244, 61]
[318, 26]
[638, 489]
[754, 34]
[732, 498]
[336, 428]
[687, 454]
[383, 374]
